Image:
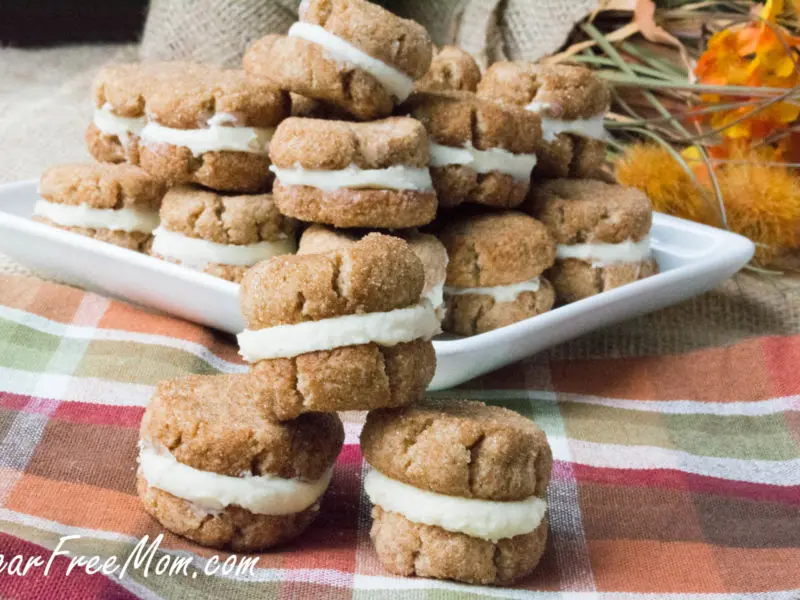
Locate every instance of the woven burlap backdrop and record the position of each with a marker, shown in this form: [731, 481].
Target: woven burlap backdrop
[218, 31]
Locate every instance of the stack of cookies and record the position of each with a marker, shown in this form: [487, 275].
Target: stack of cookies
[241, 461]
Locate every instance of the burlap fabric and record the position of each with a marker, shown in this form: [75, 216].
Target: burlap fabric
[45, 107]
[218, 31]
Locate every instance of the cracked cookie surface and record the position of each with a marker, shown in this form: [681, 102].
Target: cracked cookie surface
[459, 448]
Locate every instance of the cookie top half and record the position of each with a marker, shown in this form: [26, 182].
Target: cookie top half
[496, 249]
[452, 70]
[564, 92]
[459, 448]
[124, 88]
[578, 211]
[218, 424]
[102, 186]
[224, 218]
[401, 43]
[195, 93]
[380, 273]
[334, 145]
[461, 118]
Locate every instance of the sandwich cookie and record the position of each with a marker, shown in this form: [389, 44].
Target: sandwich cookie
[216, 468]
[345, 174]
[346, 330]
[459, 491]
[221, 234]
[114, 203]
[212, 127]
[480, 152]
[452, 70]
[572, 103]
[351, 54]
[602, 231]
[318, 239]
[494, 277]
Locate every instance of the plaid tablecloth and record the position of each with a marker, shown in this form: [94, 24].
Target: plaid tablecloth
[675, 476]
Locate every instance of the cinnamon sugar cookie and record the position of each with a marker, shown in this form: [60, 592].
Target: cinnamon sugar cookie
[212, 127]
[430, 251]
[221, 234]
[344, 330]
[572, 102]
[216, 468]
[452, 70]
[459, 491]
[494, 277]
[480, 152]
[351, 54]
[114, 203]
[602, 231]
[353, 174]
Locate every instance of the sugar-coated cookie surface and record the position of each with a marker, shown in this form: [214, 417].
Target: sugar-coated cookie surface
[452, 69]
[223, 218]
[219, 170]
[100, 185]
[362, 377]
[401, 43]
[577, 279]
[408, 548]
[561, 91]
[378, 274]
[222, 425]
[580, 211]
[334, 145]
[496, 249]
[459, 448]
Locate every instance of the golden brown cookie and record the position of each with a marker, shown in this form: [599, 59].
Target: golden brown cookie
[571, 100]
[212, 127]
[339, 331]
[452, 70]
[351, 54]
[114, 203]
[210, 448]
[221, 234]
[407, 548]
[459, 490]
[318, 239]
[494, 274]
[353, 174]
[480, 152]
[601, 231]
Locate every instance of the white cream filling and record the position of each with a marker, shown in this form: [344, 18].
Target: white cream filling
[218, 136]
[397, 177]
[263, 495]
[482, 519]
[435, 295]
[382, 328]
[592, 127]
[81, 215]
[500, 293]
[122, 127]
[519, 166]
[397, 83]
[196, 252]
[600, 254]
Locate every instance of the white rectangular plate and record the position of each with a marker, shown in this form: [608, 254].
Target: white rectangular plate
[693, 259]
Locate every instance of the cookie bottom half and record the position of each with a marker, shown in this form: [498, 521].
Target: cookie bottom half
[109, 148]
[233, 528]
[470, 314]
[225, 171]
[362, 377]
[577, 279]
[456, 184]
[232, 273]
[408, 548]
[569, 156]
[373, 208]
[132, 240]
